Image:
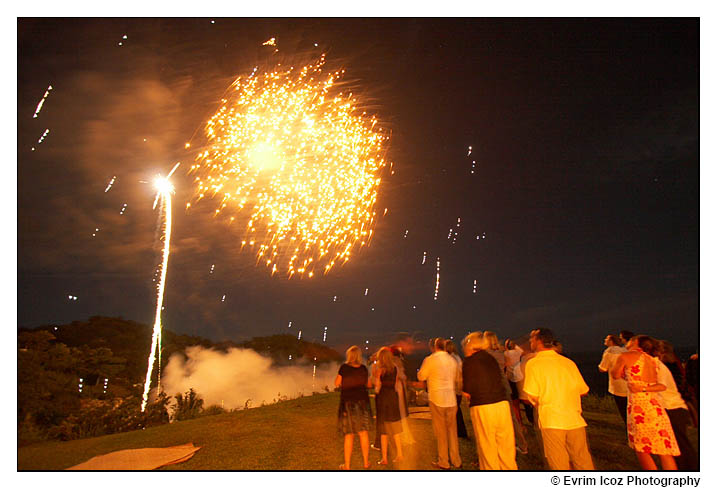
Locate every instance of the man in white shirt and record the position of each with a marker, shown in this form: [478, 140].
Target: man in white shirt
[555, 385]
[441, 373]
[616, 387]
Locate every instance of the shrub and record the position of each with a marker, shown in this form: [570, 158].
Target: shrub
[189, 405]
[213, 410]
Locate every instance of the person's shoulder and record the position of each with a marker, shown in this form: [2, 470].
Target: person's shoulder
[533, 361]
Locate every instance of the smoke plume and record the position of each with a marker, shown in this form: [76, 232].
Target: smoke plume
[240, 378]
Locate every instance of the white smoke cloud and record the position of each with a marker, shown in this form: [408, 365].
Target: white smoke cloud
[231, 378]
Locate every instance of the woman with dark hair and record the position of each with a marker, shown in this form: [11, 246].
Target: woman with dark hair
[676, 408]
[354, 417]
[648, 425]
[388, 421]
[665, 352]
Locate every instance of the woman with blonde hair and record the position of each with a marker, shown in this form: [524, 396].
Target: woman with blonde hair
[483, 386]
[388, 422]
[496, 351]
[354, 418]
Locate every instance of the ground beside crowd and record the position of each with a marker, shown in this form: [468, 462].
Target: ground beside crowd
[301, 434]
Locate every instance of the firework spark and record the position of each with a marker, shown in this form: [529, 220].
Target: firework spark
[42, 101]
[164, 196]
[42, 138]
[112, 181]
[456, 232]
[436, 288]
[302, 163]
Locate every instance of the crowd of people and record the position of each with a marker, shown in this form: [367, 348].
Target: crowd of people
[656, 396]
[646, 378]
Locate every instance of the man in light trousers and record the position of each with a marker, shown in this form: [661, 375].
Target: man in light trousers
[441, 373]
[554, 384]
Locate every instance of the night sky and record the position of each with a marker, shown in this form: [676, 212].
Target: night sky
[585, 134]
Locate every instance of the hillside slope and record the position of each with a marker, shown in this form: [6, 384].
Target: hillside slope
[301, 434]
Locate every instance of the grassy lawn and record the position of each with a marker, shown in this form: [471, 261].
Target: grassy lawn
[301, 434]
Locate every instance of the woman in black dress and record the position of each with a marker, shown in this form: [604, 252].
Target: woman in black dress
[354, 417]
[388, 421]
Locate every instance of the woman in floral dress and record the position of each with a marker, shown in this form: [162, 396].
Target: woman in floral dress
[649, 428]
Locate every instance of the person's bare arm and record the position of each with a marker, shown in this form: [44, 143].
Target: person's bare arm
[617, 370]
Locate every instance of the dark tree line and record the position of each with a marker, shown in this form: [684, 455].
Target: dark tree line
[52, 361]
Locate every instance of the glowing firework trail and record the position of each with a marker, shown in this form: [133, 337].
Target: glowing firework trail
[96, 230]
[423, 259]
[269, 42]
[366, 291]
[164, 196]
[314, 373]
[299, 337]
[406, 233]
[290, 325]
[473, 166]
[325, 335]
[436, 288]
[300, 161]
[474, 286]
[124, 206]
[42, 138]
[223, 297]
[112, 181]
[42, 101]
[211, 270]
[469, 152]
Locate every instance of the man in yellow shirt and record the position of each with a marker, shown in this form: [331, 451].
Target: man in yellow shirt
[554, 384]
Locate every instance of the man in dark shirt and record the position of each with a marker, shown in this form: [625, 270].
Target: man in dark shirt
[489, 406]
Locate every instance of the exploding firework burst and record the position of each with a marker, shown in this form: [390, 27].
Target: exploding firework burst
[300, 162]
